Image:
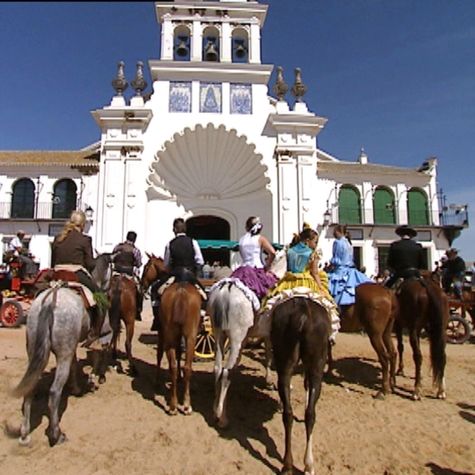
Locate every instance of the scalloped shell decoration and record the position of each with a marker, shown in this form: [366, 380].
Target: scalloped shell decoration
[208, 163]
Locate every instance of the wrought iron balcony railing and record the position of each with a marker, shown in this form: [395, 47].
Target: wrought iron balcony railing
[35, 211]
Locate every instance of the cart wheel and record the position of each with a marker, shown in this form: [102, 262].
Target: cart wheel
[458, 330]
[11, 313]
[205, 342]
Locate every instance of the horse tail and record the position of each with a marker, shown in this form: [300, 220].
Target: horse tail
[436, 330]
[114, 311]
[180, 304]
[221, 306]
[39, 357]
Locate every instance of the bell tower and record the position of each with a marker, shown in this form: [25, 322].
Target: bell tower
[224, 31]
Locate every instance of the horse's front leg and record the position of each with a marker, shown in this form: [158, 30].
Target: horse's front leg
[172, 364]
[268, 362]
[190, 343]
[129, 332]
[400, 349]
[160, 350]
[53, 430]
[25, 437]
[283, 385]
[417, 357]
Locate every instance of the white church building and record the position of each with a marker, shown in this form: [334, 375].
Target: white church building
[214, 143]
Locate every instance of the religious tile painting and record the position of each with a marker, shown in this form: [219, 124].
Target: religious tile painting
[241, 99]
[210, 97]
[180, 97]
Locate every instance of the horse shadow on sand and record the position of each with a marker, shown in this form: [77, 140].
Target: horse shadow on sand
[250, 404]
[467, 411]
[39, 406]
[438, 470]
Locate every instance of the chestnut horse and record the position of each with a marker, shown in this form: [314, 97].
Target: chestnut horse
[300, 329]
[423, 304]
[179, 316]
[123, 307]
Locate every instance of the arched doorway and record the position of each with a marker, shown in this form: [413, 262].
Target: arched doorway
[210, 227]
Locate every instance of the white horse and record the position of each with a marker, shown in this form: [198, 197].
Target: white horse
[233, 311]
[57, 322]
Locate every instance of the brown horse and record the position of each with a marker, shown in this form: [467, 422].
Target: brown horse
[123, 307]
[423, 304]
[375, 311]
[300, 329]
[179, 316]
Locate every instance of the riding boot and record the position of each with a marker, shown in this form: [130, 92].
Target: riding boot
[97, 317]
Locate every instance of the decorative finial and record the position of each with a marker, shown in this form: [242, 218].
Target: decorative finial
[139, 83]
[299, 88]
[120, 84]
[280, 87]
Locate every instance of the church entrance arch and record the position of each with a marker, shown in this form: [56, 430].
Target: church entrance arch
[210, 228]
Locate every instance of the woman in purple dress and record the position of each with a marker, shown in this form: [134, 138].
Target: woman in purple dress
[253, 272]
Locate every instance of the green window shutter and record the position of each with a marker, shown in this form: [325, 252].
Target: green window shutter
[383, 207]
[417, 208]
[349, 209]
[23, 199]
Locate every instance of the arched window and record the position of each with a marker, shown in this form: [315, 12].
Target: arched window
[23, 199]
[384, 208]
[181, 43]
[64, 198]
[239, 46]
[210, 47]
[417, 207]
[349, 208]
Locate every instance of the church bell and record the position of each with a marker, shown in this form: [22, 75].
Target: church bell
[210, 52]
[182, 49]
[240, 51]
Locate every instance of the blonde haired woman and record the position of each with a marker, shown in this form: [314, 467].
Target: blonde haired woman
[72, 250]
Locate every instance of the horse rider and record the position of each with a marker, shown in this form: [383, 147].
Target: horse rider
[127, 260]
[20, 252]
[72, 250]
[453, 272]
[406, 256]
[183, 259]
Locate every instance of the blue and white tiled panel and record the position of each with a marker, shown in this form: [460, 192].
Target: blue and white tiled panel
[241, 99]
[210, 97]
[180, 97]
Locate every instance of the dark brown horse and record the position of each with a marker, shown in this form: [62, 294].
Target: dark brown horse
[375, 311]
[423, 304]
[179, 317]
[300, 329]
[123, 307]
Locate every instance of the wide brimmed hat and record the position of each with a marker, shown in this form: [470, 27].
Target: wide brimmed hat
[406, 231]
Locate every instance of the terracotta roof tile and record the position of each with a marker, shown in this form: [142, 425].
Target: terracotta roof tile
[68, 158]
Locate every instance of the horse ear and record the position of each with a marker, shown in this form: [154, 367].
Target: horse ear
[148, 255]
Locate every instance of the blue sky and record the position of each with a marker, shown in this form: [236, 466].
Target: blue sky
[397, 78]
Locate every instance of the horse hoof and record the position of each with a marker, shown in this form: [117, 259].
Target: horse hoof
[25, 441]
[442, 395]
[416, 397]
[223, 423]
[102, 379]
[187, 410]
[380, 396]
[172, 412]
[309, 471]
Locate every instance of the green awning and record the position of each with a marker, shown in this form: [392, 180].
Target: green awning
[218, 244]
[223, 244]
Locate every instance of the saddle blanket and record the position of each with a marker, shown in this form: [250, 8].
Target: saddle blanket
[264, 322]
[171, 280]
[249, 294]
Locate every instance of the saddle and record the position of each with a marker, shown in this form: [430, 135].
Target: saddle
[171, 280]
[69, 279]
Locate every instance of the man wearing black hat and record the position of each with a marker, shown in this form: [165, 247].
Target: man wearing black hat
[453, 272]
[406, 256]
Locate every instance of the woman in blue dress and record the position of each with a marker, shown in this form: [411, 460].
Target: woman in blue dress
[343, 275]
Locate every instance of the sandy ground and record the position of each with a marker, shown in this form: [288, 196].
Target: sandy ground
[122, 428]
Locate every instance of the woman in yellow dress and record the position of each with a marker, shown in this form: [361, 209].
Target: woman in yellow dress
[303, 277]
